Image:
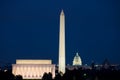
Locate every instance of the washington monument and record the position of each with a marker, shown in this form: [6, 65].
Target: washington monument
[62, 43]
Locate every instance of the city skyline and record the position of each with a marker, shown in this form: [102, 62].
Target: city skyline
[30, 30]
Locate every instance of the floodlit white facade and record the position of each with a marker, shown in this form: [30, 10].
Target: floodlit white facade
[62, 43]
[33, 61]
[33, 69]
[77, 60]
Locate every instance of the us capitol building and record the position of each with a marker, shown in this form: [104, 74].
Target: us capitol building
[35, 69]
[77, 60]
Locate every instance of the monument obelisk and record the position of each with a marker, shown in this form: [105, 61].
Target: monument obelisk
[62, 43]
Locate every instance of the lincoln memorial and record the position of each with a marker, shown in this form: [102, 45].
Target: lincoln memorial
[33, 69]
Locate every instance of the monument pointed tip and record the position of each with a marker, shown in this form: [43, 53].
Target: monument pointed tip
[62, 12]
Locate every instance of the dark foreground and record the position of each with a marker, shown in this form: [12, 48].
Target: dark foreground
[76, 74]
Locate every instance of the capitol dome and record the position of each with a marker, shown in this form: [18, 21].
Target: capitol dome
[77, 60]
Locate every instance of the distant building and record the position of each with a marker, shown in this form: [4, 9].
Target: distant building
[33, 69]
[77, 60]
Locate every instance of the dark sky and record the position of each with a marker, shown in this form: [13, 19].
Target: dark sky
[29, 29]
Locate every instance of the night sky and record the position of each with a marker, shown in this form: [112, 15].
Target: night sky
[29, 29]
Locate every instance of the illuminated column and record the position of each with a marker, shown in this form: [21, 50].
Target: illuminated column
[62, 43]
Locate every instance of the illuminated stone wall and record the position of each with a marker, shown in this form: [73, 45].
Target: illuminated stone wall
[20, 61]
[33, 71]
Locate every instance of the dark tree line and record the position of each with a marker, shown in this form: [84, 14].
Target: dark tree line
[76, 74]
[47, 76]
[86, 74]
[7, 75]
